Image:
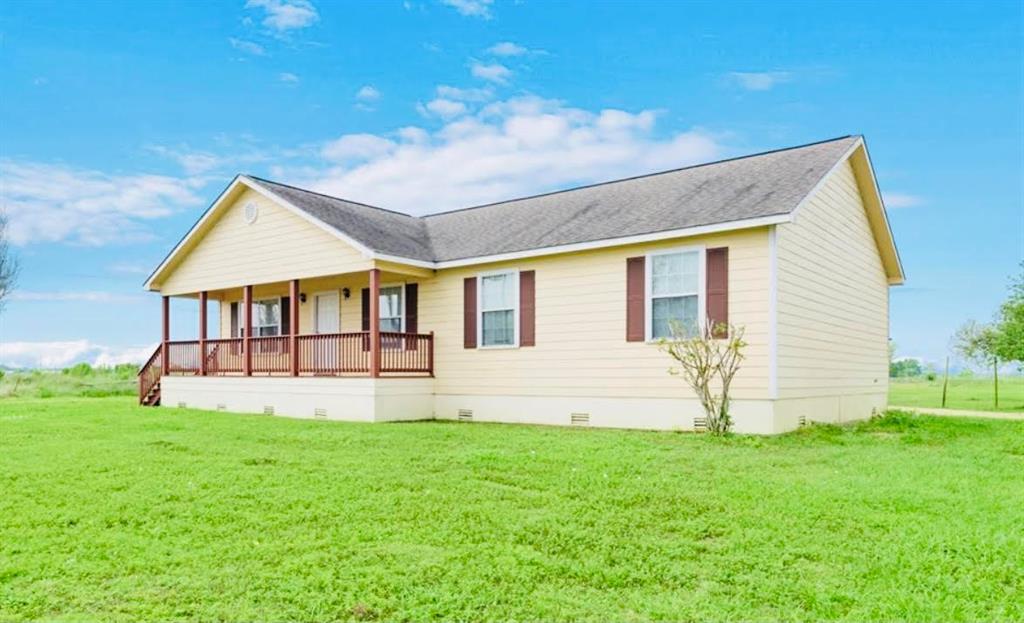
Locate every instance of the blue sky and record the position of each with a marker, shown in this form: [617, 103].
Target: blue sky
[121, 122]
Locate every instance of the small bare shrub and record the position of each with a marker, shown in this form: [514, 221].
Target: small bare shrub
[708, 364]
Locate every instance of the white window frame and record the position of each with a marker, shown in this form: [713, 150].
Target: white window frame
[514, 272]
[649, 294]
[241, 316]
[401, 303]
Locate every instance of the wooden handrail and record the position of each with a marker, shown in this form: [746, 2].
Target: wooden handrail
[150, 373]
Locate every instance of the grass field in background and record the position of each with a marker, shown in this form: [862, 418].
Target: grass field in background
[79, 380]
[115, 512]
[963, 393]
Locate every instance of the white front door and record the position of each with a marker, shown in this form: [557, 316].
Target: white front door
[327, 314]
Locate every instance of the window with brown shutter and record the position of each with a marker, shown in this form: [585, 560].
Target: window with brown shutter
[469, 312]
[635, 286]
[717, 286]
[527, 308]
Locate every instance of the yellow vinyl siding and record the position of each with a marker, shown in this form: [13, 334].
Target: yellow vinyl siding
[833, 297]
[277, 247]
[581, 327]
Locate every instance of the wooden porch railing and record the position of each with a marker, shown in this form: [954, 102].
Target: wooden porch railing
[334, 353]
[330, 354]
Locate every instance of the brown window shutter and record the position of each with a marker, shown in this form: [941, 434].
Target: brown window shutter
[527, 308]
[412, 323]
[469, 312]
[411, 304]
[366, 309]
[717, 285]
[366, 318]
[235, 331]
[286, 311]
[635, 286]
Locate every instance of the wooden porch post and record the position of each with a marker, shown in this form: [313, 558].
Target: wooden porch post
[165, 336]
[374, 322]
[202, 332]
[293, 317]
[247, 333]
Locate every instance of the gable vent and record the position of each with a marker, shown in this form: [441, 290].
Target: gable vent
[181, 405]
[700, 424]
[579, 419]
[465, 415]
[319, 412]
[222, 407]
[268, 410]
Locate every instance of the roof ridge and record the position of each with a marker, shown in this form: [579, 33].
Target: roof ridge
[641, 176]
[319, 194]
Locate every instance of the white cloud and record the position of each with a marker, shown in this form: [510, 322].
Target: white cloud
[471, 8]
[494, 72]
[193, 162]
[759, 81]
[89, 296]
[508, 149]
[128, 268]
[288, 78]
[507, 48]
[52, 202]
[247, 46]
[236, 153]
[285, 15]
[901, 200]
[63, 354]
[464, 95]
[368, 93]
[444, 108]
[356, 147]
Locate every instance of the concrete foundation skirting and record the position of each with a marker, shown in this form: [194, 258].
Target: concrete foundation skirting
[397, 399]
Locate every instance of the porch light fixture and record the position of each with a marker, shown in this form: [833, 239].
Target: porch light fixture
[345, 292]
[302, 297]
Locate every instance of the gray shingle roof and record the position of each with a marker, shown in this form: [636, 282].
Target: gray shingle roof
[760, 185]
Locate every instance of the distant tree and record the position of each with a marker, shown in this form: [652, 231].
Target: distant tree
[903, 368]
[1008, 341]
[977, 343]
[8, 263]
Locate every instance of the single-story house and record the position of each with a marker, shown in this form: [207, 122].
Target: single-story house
[545, 309]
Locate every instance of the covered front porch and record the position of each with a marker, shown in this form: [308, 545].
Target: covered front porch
[295, 329]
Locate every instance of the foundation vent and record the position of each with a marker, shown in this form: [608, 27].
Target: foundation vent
[222, 407]
[181, 405]
[268, 410]
[700, 424]
[803, 420]
[579, 419]
[465, 415]
[320, 413]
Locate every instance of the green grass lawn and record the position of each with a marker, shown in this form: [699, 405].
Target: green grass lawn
[963, 393]
[113, 512]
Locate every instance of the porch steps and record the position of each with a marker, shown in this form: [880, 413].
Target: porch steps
[152, 398]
